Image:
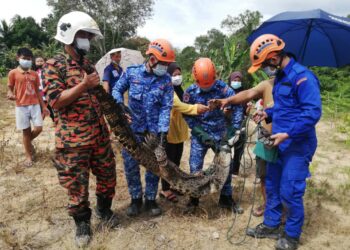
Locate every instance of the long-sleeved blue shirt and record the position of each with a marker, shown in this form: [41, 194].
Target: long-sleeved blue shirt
[297, 103]
[150, 98]
[213, 122]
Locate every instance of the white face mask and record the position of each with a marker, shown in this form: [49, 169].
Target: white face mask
[83, 44]
[236, 84]
[160, 69]
[176, 80]
[25, 64]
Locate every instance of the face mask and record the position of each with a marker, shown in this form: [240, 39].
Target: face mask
[176, 80]
[268, 71]
[25, 64]
[160, 69]
[115, 62]
[83, 44]
[236, 85]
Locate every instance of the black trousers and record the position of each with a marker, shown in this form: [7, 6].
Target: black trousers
[239, 150]
[174, 153]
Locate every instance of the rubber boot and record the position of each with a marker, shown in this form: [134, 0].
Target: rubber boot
[83, 232]
[152, 208]
[103, 212]
[134, 208]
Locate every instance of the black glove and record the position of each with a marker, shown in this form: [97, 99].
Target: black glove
[125, 109]
[204, 137]
[162, 139]
[231, 132]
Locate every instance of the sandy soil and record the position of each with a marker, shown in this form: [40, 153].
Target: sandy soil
[33, 214]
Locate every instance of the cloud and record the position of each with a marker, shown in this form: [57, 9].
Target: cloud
[181, 21]
[35, 8]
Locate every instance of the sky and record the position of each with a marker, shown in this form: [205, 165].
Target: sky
[181, 21]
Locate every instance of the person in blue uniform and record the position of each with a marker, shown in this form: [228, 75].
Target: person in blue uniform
[210, 128]
[296, 111]
[150, 99]
[113, 71]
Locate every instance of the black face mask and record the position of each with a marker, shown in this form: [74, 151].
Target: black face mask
[39, 66]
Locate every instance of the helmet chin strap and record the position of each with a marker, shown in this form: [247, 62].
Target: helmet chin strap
[153, 65]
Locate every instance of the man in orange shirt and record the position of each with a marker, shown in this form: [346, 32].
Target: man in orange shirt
[23, 87]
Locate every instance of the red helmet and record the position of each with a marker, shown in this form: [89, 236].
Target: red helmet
[262, 48]
[204, 72]
[162, 50]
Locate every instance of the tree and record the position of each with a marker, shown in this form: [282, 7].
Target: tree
[187, 57]
[214, 39]
[117, 19]
[244, 23]
[22, 30]
[137, 43]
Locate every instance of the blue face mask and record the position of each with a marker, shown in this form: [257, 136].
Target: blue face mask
[160, 70]
[236, 84]
[25, 64]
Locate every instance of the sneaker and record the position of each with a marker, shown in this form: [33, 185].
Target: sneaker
[287, 243]
[82, 233]
[152, 208]
[263, 231]
[134, 208]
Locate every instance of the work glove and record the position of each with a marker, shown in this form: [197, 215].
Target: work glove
[204, 138]
[232, 135]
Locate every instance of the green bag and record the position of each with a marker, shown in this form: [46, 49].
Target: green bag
[264, 153]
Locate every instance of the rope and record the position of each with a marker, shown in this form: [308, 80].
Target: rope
[245, 143]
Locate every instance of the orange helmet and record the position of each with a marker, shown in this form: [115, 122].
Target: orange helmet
[204, 72]
[162, 50]
[261, 49]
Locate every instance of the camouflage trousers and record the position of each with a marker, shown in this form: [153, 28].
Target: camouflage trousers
[73, 166]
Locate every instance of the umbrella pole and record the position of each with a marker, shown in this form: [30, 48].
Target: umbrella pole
[305, 42]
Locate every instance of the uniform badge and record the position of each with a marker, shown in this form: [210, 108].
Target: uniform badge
[186, 97]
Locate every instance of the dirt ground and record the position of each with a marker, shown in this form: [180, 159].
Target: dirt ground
[33, 215]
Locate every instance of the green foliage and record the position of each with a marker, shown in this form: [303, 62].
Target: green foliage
[228, 52]
[118, 19]
[23, 30]
[137, 43]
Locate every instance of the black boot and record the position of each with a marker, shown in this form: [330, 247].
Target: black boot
[226, 201]
[152, 208]
[83, 230]
[103, 212]
[134, 208]
[287, 243]
[263, 231]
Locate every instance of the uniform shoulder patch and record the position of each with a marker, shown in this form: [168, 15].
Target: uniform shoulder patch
[186, 97]
[300, 81]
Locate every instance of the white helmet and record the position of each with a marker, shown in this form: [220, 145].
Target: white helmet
[71, 23]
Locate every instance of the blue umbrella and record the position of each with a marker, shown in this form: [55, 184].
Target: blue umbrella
[315, 38]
